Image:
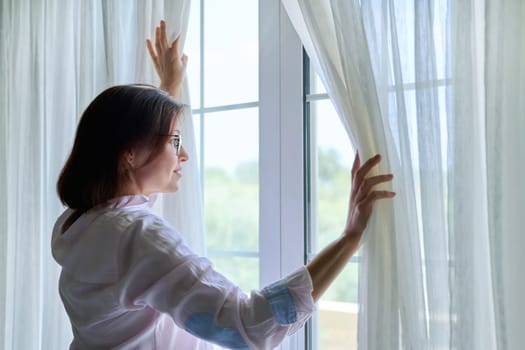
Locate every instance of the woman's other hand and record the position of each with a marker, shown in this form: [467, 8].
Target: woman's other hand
[169, 63]
[363, 195]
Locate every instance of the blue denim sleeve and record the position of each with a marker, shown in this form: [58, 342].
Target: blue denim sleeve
[281, 302]
[201, 325]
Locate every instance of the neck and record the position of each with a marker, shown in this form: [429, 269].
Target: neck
[129, 188]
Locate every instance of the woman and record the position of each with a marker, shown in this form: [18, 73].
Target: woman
[128, 280]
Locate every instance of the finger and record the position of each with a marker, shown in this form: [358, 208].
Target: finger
[375, 180]
[184, 59]
[151, 50]
[356, 164]
[163, 37]
[157, 40]
[363, 170]
[370, 182]
[154, 57]
[175, 46]
[374, 196]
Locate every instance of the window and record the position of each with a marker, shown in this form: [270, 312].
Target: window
[334, 326]
[223, 74]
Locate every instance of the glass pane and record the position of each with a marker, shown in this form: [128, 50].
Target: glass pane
[332, 157]
[231, 185]
[192, 49]
[242, 271]
[231, 52]
[316, 85]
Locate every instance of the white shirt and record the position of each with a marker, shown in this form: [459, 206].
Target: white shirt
[129, 281]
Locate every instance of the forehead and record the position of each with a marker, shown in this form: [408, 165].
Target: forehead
[174, 127]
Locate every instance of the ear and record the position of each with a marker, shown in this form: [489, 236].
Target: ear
[129, 158]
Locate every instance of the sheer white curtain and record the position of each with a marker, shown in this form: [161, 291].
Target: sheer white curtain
[434, 86]
[56, 57]
[504, 74]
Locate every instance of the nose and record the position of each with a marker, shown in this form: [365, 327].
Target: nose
[183, 155]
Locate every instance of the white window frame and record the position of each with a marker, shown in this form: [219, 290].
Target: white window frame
[282, 210]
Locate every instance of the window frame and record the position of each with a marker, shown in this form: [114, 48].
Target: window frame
[282, 213]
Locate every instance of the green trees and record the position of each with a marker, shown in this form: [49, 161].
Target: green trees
[231, 204]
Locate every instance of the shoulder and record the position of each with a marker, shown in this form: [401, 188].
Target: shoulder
[143, 233]
[133, 221]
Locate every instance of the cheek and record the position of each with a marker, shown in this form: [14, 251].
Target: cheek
[169, 162]
[158, 169]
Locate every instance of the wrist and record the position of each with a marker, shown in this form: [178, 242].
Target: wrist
[172, 89]
[352, 237]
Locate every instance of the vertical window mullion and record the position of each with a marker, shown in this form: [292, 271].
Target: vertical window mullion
[269, 142]
[308, 202]
[281, 150]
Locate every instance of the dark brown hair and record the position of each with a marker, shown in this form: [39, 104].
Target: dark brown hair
[119, 118]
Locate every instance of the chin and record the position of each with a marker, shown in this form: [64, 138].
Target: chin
[172, 188]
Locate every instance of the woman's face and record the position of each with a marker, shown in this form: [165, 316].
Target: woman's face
[161, 174]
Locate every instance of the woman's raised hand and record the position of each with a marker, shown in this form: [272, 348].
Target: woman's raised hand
[169, 63]
[363, 195]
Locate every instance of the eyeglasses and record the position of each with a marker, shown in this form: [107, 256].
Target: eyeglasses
[176, 142]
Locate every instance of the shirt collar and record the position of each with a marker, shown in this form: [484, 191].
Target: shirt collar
[131, 201]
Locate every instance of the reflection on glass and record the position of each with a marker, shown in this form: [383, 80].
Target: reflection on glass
[335, 325]
[231, 52]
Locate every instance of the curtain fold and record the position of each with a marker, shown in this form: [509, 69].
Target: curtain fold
[472, 305]
[56, 57]
[434, 86]
[504, 74]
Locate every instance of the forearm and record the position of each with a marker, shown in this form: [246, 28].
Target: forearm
[329, 263]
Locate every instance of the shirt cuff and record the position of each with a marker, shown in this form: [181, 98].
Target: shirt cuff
[301, 286]
[291, 299]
